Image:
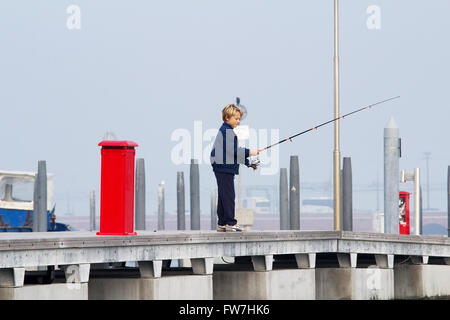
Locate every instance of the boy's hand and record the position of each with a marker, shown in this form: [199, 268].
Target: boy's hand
[254, 152]
[254, 163]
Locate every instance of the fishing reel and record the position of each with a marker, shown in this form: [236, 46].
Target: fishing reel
[254, 162]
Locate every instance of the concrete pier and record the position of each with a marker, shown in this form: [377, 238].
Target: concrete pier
[54, 291]
[181, 219]
[161, 206]
[422, 281]
[288, 284]
[391, 177]
[285, 219]
[73, 285]
[213, 200]
[354, 284]
[139, 194]
[194, 181]
[92, 226]
[40, 222]
[347, 195]
[294, 193]
[170, 287]
[265, 265]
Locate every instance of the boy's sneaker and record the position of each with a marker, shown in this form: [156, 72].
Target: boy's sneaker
[220, 228]
[235, 228]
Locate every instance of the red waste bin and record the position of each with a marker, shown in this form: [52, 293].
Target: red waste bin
[404, 212]
[117, 188]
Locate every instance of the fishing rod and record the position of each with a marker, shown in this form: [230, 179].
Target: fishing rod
[329, 121]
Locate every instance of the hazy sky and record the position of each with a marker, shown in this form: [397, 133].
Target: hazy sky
[143, 69]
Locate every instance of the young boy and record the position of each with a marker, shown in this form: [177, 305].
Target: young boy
[225, 159]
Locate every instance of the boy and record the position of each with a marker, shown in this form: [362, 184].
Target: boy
[225, 159]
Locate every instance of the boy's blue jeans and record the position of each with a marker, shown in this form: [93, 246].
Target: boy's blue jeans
[226, 198]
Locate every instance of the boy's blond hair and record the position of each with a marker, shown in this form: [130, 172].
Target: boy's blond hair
[229, 111]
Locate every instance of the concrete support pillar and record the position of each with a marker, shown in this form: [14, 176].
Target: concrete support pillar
[195, 195]
[213, 209]
[139, 211]
[280, 284]
[150, 269]
[77, 273]
[92, 226]
[391, 177]
[262, 263]
[422, 281]
[49, 292]
[175, 286]
[284, 200]
[354, 284]
[202, 266]
[181, 212]
[306, 260]
[294, 193]
[420, 211]
[341, 216]
[419, 259]
[181, 220]
[384, 261]
[448, 200]
[417, 216]
[347, 195]
[161, 206]
[347, 260]
[12, 277]
[40, 220]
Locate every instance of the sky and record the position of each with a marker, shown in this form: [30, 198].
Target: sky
[145, 70]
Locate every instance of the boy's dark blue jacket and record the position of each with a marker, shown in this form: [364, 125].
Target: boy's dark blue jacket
[226, 155]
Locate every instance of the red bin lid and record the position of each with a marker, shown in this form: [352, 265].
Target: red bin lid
[116, 143]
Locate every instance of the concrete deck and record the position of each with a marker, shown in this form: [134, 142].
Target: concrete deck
[19, 250]
[287, 264]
